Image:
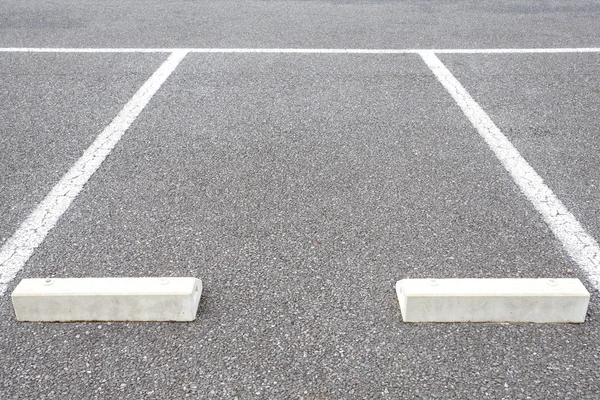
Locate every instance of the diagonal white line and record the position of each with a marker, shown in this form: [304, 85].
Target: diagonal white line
[20, 246]
[580, 246]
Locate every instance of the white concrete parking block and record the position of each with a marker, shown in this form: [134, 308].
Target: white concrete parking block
[107, 299]
[493, 300]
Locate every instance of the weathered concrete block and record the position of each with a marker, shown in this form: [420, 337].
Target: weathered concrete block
[107, 299]
[493, 300]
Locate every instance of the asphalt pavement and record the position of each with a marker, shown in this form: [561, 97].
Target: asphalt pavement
[54, 105]
[269, 23]
[299, 188]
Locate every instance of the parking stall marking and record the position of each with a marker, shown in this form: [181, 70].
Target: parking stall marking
[580, 246]
[296, 50]
[31, 233]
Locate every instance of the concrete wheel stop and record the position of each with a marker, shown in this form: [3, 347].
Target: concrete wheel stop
[493, 300]
[107, 299]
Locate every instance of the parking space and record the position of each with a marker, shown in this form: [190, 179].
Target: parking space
[51, 108]
[300, 188]
[299, 157]
[272, 147]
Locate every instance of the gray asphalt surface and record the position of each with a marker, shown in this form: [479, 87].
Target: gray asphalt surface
[549, 107]
[52, 108]
[299, 188]
[351, 23]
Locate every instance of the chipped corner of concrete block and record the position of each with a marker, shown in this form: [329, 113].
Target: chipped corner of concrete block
[196, 294]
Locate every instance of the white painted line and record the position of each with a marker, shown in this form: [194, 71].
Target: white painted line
[580, 246]
[493, 300]
[107, 299]
[296, 50]
[17, 249]
[517, 51]
[306, 51]
[84, 50]
[205, 50]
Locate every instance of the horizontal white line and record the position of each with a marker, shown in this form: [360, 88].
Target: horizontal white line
[79, 50]
[20, 246]
[208, 50]
[296, 51]
[516, 51]
[579, 245]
